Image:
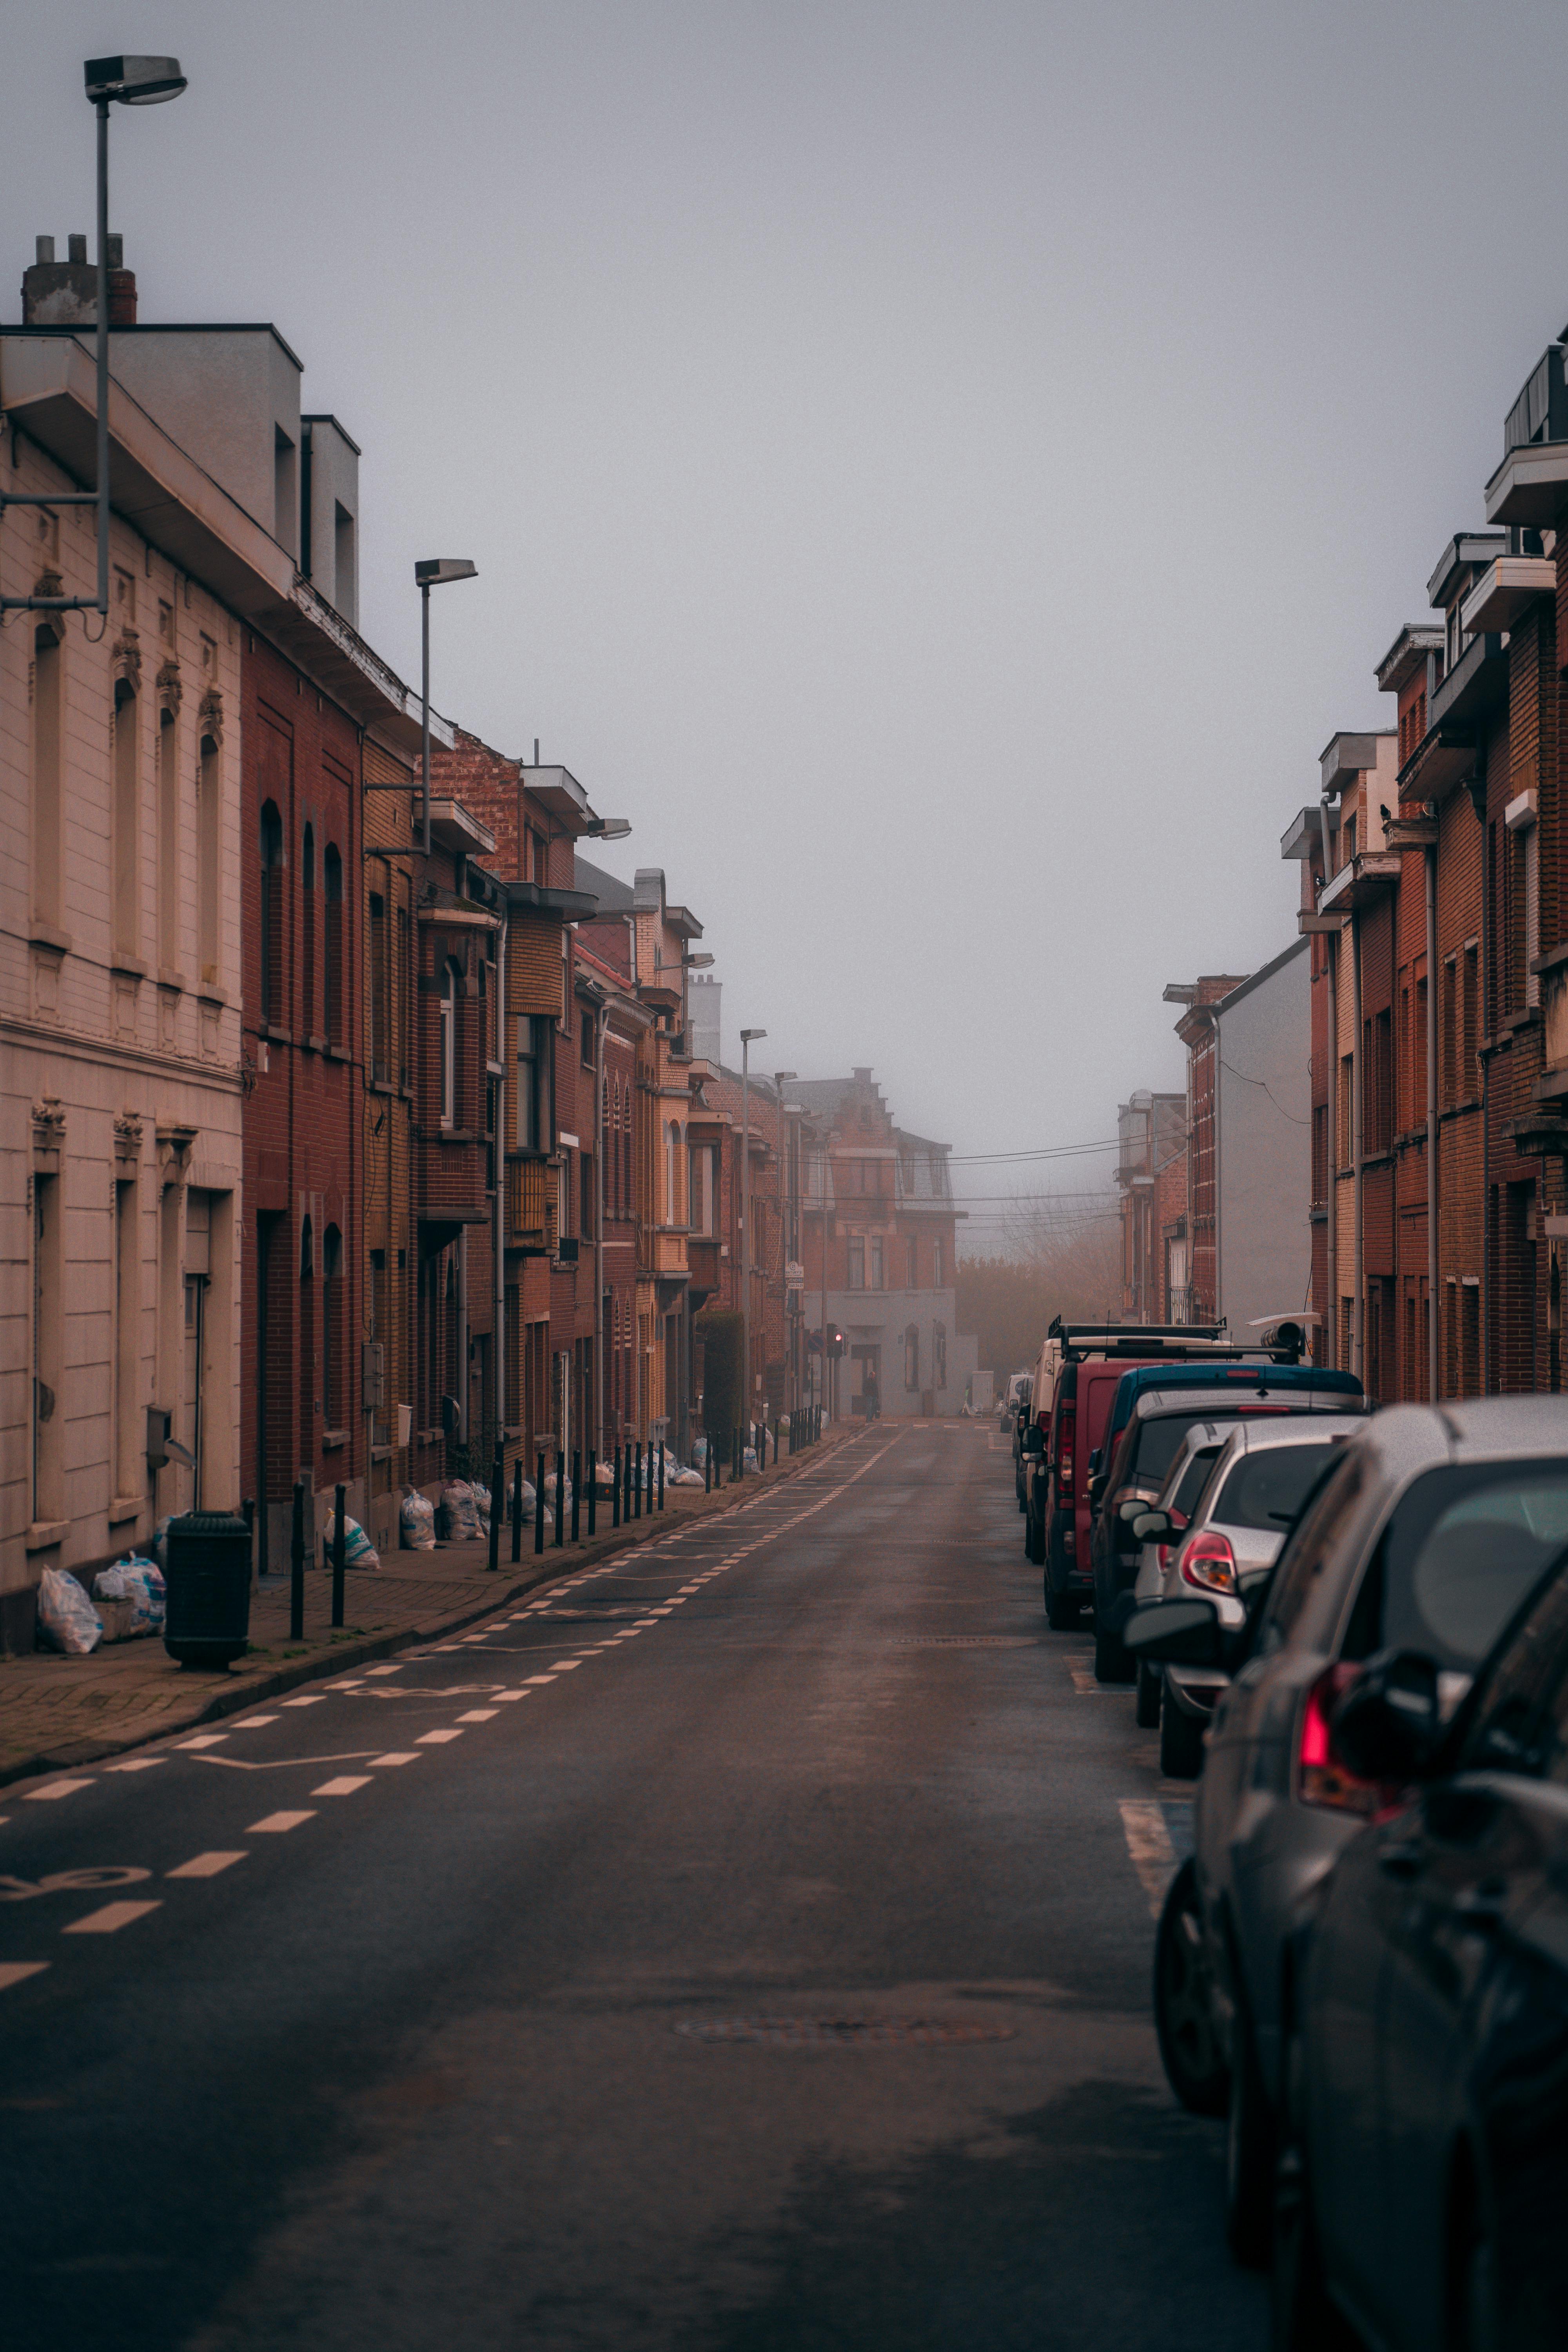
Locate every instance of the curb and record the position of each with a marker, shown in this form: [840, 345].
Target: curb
[231, 1700]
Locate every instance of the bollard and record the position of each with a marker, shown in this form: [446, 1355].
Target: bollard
[498, 1507]
[592, 1491]
[661, 1478]
[560, 1496]
[539, 1505]
[517, 1509]
[636, 1507]
[615, 1490]
[707, 1467]
[576, 1492]
[297, 1566]
[340, 1498]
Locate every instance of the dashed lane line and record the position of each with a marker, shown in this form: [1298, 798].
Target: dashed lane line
[203, 1740]
[206, 1865]
[14, 1972]
[254, 1722]
[136, 1764]
[479, 1715]
[274, 1824]
[1149, 1846]
[397, 1756]
[56, 1788]
[344, 1786]
[311, 1698]
[109, 1920]
[438, 1738]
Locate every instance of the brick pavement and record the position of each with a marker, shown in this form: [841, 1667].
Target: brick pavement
[56, 1711]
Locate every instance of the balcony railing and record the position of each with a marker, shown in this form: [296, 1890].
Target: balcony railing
[529, 1203]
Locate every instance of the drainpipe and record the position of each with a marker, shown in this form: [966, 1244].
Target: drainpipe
[498, 1203]
[1432, 1202]
[1358, 1360]
[1331, 1141]
[463, 1334]
[599, 1239]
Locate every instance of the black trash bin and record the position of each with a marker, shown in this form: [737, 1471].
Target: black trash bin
[207, 1621]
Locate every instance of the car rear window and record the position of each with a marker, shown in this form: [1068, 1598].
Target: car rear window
[1268, 1489]
[1155, 1445]
[1460, 1553]
[1193, 1479]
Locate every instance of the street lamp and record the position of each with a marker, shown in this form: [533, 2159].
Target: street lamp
[748, 1039]
[110, 81]
[434, 572]
[782, 1079]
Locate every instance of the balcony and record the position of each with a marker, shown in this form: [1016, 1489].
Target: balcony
[530, 1205]
[1477, 683]
[1445, 756]
[1530, 484]
[1360, 883]
[703, 1263]
[1507, 588]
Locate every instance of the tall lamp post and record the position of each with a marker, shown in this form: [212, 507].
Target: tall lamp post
[781, 1078]
[110, 81]
[749, 1037]
[434, 572]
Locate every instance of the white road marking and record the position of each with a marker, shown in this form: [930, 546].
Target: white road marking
[344, 1785]
[203, 1740]
[205, 1865]
[1149, 1845]
[311, 1698]
[254, 1722]
[479, 1715]
[111, 1919]
[56, 1788]
[278, 1823]
[384, 1670]
[437, 1738]
[541, 1678]
[136, 1764]
[505, 1696]
[566, 1666]
[16, 1972]
[398, 1756]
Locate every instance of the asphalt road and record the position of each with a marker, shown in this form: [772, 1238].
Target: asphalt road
[745, 1945]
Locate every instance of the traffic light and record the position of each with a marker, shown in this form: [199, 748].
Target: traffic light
[835, 1340]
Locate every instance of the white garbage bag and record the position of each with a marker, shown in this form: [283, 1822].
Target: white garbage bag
[415, 1521]
[66, 1617]
[358, 1549]
[139, 1583]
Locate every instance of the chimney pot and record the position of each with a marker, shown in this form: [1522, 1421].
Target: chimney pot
[76, 248]
[46, 248]
[116, 252]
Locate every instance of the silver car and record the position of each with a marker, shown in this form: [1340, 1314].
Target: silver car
[1170, 1514]
[1254, 1490]
[1426, 1534]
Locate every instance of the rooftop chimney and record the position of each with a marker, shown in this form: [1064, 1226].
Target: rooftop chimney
[64, 293]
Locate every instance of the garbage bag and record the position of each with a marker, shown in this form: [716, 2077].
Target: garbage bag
[66, 1617]
[358, 1549]
[141, 1583]
[455, 1517]
[161, 1543]
[415, 1521]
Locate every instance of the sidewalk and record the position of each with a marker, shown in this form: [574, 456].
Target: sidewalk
[56, 1711]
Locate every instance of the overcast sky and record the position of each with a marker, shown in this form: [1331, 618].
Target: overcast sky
[942, 472]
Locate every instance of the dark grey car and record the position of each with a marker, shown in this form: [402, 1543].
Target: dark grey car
[1425, 1535]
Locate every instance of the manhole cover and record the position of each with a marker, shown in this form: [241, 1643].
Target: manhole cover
[966, 1641]
[797, 2031]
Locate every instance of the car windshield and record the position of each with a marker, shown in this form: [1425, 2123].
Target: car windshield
[1267, 1489]
[1156, 1444]
[1461, 1551]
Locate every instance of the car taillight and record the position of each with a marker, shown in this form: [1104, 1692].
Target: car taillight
[1208, 1562]
[1320, 1778]
[1162, 1553]
[1064, 1453]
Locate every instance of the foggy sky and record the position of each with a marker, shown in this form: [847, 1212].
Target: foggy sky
[941, 472]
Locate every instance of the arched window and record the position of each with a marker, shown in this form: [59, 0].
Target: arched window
[48, 664]
[308, 931]
[912, 1356]
[209, 837]
[272, 963]
[449, 1044]
[670, 1171]
[168, 838]
[126, 844]
[309, 1438]
[331, 1328]
[334, 866]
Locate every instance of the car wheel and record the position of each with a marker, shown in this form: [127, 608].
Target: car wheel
[1249, 2153]
[1146, 1713]
[1302, 2316]
[1181, 1743]
[1112, 1660]
[1061, 1610]
[1184, 2018]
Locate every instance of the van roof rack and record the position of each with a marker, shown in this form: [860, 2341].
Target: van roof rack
[1061, 1329]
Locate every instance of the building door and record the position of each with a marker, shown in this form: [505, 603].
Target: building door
[191, 1435]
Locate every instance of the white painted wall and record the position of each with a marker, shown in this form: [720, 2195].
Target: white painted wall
[1265, 1144]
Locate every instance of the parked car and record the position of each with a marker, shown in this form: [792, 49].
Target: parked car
[1172, 1510]
[1425, 1533]
[1262, 1472]
[1424, 2173]
[1016, 1417]
[1122, 1492]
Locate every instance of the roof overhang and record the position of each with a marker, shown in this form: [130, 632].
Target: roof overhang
[1531, 485]
[1475, 684]
[557, 790]
[1406, 656]
[572, 906]
[1464, 552]
[455, 829]
[1346, 757]
[1445, 757]
[1508, 587]
[1301, 838]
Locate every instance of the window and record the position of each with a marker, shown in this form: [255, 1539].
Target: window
[334, 944]
[857, 1262]
[1522, 987]
[1418, 1055]
[588, 1047]
[272, 963]
[1377, 1079]
[126, 1477]
[491, 1090]
[701, 1219]
[449, 1043]
[1347, 1098]
[308, 1440]
[585, 1164]
[532, 1083]
[911, 1263]
[48, 1351]
[1470, 1008]
[209, 838]
[912, 1356]
[126, 846]
[333, 1400]
[1470, 1338]
[380, 1000]
[399, 1007]
[938, 1264]
[1320, 1153]
[1451, 1042]
[307, 932]
[48, 664]
[168, 840]
[875, 1262]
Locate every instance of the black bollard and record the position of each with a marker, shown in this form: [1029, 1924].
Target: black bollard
[517, 1509]
[560, 1496]
[498, 1507]
[592, 1491]
[707, 1466]
[340, 1539]
[636, 1507]
[576, 1492]
[661, 1478]
[615, 1490]
[297, 1566]
[539, 1505]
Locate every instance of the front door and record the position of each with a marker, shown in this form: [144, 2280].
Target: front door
[191, 1387]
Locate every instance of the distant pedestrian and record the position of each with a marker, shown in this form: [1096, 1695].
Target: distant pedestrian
[873, 1396]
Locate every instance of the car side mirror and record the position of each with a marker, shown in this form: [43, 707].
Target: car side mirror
[1034, 1439]
[1388, 1725]
[1096, 1491]
[1094, 1461]
[1132, 1510]
[1151, 1526]
[1175, 1632]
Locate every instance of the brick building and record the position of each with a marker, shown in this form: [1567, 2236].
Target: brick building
[1152, 1178]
